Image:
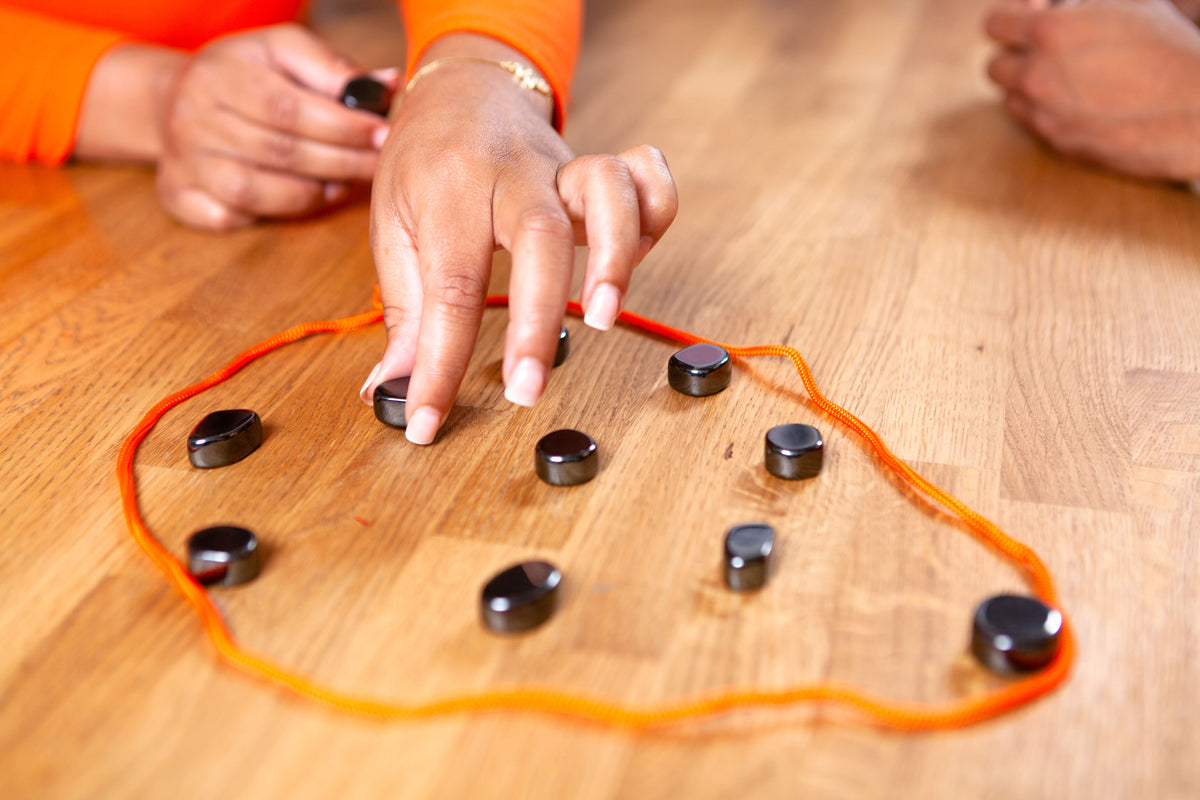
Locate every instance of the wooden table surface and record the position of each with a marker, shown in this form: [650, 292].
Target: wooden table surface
[1021, 329]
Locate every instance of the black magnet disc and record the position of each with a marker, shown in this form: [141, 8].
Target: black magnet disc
[794, 451]
[224, 437]
[389, 402]
[521, 597]
[700, 370]
[367, 94]
[566, 457]
[564, 346]
[748, 555]
[223, 556]
[1014, 633]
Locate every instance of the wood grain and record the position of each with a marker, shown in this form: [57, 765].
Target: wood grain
[1018, 327]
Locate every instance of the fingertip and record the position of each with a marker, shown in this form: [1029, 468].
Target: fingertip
[603, 307]
[368, 388]
[423, 426]
[526, 383]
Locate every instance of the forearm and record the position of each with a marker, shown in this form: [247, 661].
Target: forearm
[546, 32]
[121, 118]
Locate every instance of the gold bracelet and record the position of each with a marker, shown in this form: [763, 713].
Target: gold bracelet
[522, 74]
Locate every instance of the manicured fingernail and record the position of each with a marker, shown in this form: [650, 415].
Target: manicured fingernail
[368, 386]
[526, 383]
[379, 137]
[386, 75]
[335, 192]
[603, 308]
[422, 426]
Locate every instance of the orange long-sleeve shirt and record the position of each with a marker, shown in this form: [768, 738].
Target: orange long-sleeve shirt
[48, 48]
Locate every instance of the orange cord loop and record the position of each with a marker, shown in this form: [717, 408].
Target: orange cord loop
[890, 713]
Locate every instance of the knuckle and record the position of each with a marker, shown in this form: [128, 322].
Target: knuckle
[280, 149]
[1037, 82]
[546, 221]
[282, 107]
[460, 292]
[651, 154]
[1046, 33]
[660, 208]
[395, 318]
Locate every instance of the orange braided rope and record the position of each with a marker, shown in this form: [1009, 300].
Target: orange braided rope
[890, 713]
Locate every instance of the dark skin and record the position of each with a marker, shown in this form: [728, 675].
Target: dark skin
[250, 128]
[433, 234]
[1114, 82]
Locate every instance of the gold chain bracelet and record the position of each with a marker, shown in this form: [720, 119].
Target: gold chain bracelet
[525, 76]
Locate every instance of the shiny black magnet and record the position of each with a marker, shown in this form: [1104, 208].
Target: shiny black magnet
[521, 597]
[748, 555]
[367, 94]
[223, 556]
[564, 346]
[794, 451]
[1015, 633]
[566, 458]
[389, 402]
[224, 437]
[700, 370]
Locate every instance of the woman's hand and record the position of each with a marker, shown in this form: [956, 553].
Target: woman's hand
[248, 127]
[1116, 82]
[473, 164]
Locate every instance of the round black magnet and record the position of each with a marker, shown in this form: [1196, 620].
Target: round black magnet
[367, 94]
[224, 437]
[1015, 633]
[389, 402]
[748, 555]
[794, 451]
[521, 597]
[564, 346]
[566, 457]
[224, 555]
[700, 370]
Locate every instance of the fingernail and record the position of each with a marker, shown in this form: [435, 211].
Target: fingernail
[335, 192]
[526, 383]
[603, 308]
[379, 137]
[386, 75]
[422, 425]
[367, 388]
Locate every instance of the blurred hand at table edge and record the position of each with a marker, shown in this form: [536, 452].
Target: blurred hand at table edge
[248, 127]
[473, 164]
[1113, 82]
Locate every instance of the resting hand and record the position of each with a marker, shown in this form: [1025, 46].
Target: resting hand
[1116, 82]
[253, 128]
[473, 164]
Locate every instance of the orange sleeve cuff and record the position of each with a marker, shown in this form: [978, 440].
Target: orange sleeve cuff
[547, 32]
[44, 69]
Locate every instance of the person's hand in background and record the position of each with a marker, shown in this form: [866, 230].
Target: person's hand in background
[473, 163]
[248, 127]
[1115, 82]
